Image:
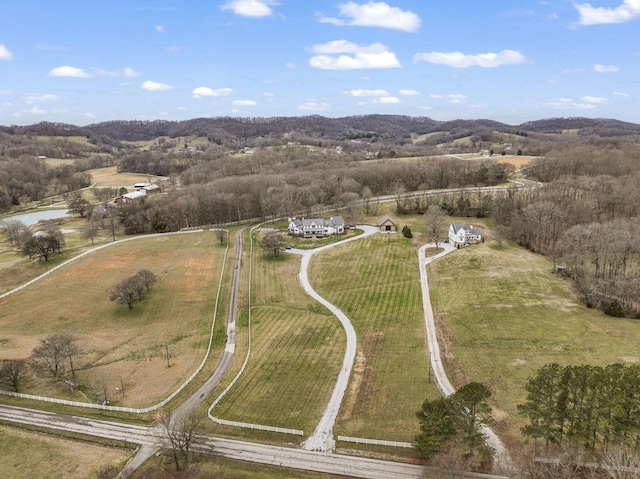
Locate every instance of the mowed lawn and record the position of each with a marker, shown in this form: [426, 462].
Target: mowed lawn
[122, 347]
[109, 177]
[297, 348]
[376, 283]
[25, 455]
[503, 315]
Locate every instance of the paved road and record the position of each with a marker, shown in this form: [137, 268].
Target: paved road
[322, 438]
[149, 439]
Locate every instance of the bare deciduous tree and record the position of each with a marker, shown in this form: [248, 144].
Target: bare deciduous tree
[12, 373]
[181, 433]
[436, 220]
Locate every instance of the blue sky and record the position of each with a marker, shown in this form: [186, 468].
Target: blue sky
[88, 61]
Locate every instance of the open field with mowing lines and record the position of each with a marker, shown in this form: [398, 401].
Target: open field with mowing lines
[376, 283]
[122, 347]
[297, 349]
[503, 314]
[26, 455]
[109, 176]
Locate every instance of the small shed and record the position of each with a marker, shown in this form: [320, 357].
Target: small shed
[387, 225]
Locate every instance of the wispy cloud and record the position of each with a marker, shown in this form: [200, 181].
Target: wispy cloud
[126, 72]
[456, 98]
[5, 54]
[566, 103]
[375, 14]
[244, 103]
[67, 71]
[314, 106]
[387, 100]
[351, 56]
[206, 91]
[251, 8]
[361, 92]
[593, 99]
[621, 94]
[462, 60]
[159, 28]
[605, 68]
[155, 86]
[30, 98]
[589, 15]
[409, 92]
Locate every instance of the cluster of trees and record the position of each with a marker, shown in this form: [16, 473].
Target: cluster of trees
[55, 357]
[455, 419]
[41, 244]
[132, 290]
[586, 406]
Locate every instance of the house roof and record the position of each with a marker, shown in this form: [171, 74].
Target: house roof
[385, 219]
[457, 227]
[336, 221]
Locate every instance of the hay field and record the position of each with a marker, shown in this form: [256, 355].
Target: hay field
[25, 455]
[122, 347]
[503, 314]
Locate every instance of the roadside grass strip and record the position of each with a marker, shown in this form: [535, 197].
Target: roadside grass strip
[502, 314]
[121, 346]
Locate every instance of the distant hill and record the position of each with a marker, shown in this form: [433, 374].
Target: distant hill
[393, 128]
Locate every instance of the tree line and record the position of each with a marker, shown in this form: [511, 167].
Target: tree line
[592, 407]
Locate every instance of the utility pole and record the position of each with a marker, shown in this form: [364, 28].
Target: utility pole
[166, 347]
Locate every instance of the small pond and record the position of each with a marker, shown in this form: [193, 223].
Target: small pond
[32, 217]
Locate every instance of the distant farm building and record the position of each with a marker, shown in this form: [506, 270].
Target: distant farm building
[142, 190]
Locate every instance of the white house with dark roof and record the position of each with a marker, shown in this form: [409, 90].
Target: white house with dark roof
[318, 227]
[462, 235]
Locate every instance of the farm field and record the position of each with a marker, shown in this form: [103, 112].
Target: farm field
[297, 349]
[25, 455]
[503, 314]
[376, 283]
[123, 349]
[109, 177]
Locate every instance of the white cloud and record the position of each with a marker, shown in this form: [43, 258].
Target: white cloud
[605, 68]
[435, 96]
[589, 15]
[31, 98]
[89, 116]
[375, 14]
[5, 54]
[456, 98]
[290, 65]
[155, 86]
[409, 92]
[621, 94]
[33, 111]
[462, 60]
[566, 103]
[159, 28]
[360, 93]
[6, 93]
[244, 103]
[206, 91]
[387, 100]
[314, 106]
[127, 72]
[593, 99]
[268, 94]
[67, 71]
[251, 8]
[352, 56]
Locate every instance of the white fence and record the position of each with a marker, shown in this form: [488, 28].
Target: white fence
[375, 442]
[245, 425]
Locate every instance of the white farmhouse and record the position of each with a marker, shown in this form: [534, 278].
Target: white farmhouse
[318, 227]
[463, 235]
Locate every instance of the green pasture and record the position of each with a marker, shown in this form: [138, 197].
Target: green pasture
[503, 314]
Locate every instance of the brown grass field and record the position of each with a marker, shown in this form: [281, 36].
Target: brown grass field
[27, 455]
[122, 347]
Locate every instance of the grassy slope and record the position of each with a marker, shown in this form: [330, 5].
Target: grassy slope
[504, 315]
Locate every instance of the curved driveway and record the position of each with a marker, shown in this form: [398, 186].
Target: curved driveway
[322, 438]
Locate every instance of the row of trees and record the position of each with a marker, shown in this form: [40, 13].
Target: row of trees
[588, 406]
[132, 290]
